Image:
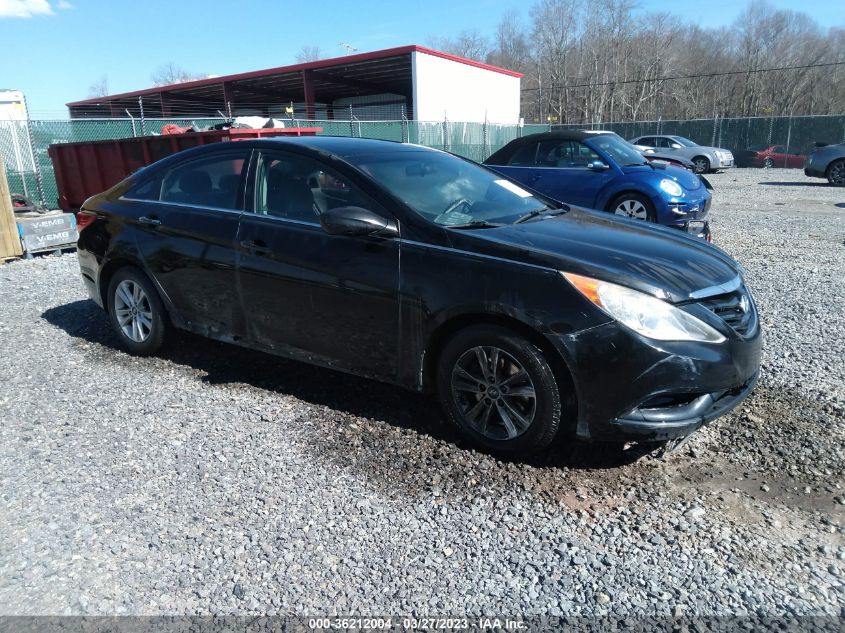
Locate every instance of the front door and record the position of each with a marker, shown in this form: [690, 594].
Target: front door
[326, 298]
[560, 169]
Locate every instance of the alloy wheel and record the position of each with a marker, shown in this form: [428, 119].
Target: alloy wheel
[133, 311]
[702, 165]
[632, 209]
[768, 163]
[493, 393]
[836, 175]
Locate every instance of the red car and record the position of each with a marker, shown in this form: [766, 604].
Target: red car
[770, 156]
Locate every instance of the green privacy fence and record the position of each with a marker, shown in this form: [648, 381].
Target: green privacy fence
[23, 144]
[799, 133]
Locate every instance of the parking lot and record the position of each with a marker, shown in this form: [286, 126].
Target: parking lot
[212, 479]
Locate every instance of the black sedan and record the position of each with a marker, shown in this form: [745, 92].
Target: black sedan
[527, 318]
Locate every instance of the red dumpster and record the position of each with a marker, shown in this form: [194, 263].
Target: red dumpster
[87, 168]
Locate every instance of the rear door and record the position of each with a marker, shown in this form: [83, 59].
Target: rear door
[329, 298]
[187, 219]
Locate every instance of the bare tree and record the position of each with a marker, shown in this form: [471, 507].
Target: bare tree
[468, 43]
[170, 73]
[99, 88]
[511, 48]
[309, 54]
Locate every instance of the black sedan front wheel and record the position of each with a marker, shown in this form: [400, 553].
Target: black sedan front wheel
[836, 173]
[499, 390]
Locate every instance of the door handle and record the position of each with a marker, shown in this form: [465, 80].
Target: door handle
[258, 247]
[149, 221]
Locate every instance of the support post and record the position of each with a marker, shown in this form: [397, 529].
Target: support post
[788, 138]
[165, 104]
[228, 97]
[141, 108]
[36, 163]
[132, 118]
[308, 92]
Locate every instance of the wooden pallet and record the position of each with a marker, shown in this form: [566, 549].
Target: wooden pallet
[10, 241]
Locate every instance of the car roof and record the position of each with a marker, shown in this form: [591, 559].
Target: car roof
[563, 135]
[343, 145]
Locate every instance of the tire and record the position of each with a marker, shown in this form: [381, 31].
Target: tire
[476, 401]
[836, 173]
[136, 312]
[633, 205]
[768, 163]
[702, 164]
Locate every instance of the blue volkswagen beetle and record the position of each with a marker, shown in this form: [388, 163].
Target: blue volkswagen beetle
[603, 171]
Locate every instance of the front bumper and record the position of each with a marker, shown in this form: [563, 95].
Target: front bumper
[689, 214]
[722, 163]
[630, 387]
[814, 172]
[679, 420]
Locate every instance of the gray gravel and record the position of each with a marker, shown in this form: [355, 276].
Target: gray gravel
[216, 480]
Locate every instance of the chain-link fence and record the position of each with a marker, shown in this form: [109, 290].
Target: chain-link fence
[23, 144]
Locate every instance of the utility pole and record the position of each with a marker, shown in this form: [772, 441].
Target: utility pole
[349, 48]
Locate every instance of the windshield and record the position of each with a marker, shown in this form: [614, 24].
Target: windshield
[447, 190]
[685, 141]
[619, 149]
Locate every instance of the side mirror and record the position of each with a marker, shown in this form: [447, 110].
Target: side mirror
[358, 221]
[598, 165]
[676, 146]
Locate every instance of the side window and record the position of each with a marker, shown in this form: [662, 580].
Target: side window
[299, 188]
[779, 149]
[206, 182]
[524, 156]
[565, 154]
[662, 142]
[146, 190]
[647, 141]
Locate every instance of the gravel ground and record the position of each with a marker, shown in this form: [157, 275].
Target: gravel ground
[217, 480]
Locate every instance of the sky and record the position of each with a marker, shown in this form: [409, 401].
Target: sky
[64, 46]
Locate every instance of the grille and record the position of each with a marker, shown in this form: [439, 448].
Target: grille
[733, 308]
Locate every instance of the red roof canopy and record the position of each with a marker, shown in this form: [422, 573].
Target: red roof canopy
[385, 70]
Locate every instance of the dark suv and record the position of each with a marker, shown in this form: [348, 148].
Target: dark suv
[412, 266]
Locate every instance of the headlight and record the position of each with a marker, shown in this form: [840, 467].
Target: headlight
[643, 313]
[671, 187]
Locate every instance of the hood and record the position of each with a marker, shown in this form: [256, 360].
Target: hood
[708, 148]
[687, 179]
[660, 261]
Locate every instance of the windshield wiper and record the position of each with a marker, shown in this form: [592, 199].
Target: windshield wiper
[475, 224]
[547, 212]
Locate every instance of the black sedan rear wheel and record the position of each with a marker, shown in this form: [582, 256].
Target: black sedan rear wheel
[836, 173]
[499, 390]
[136, 312]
